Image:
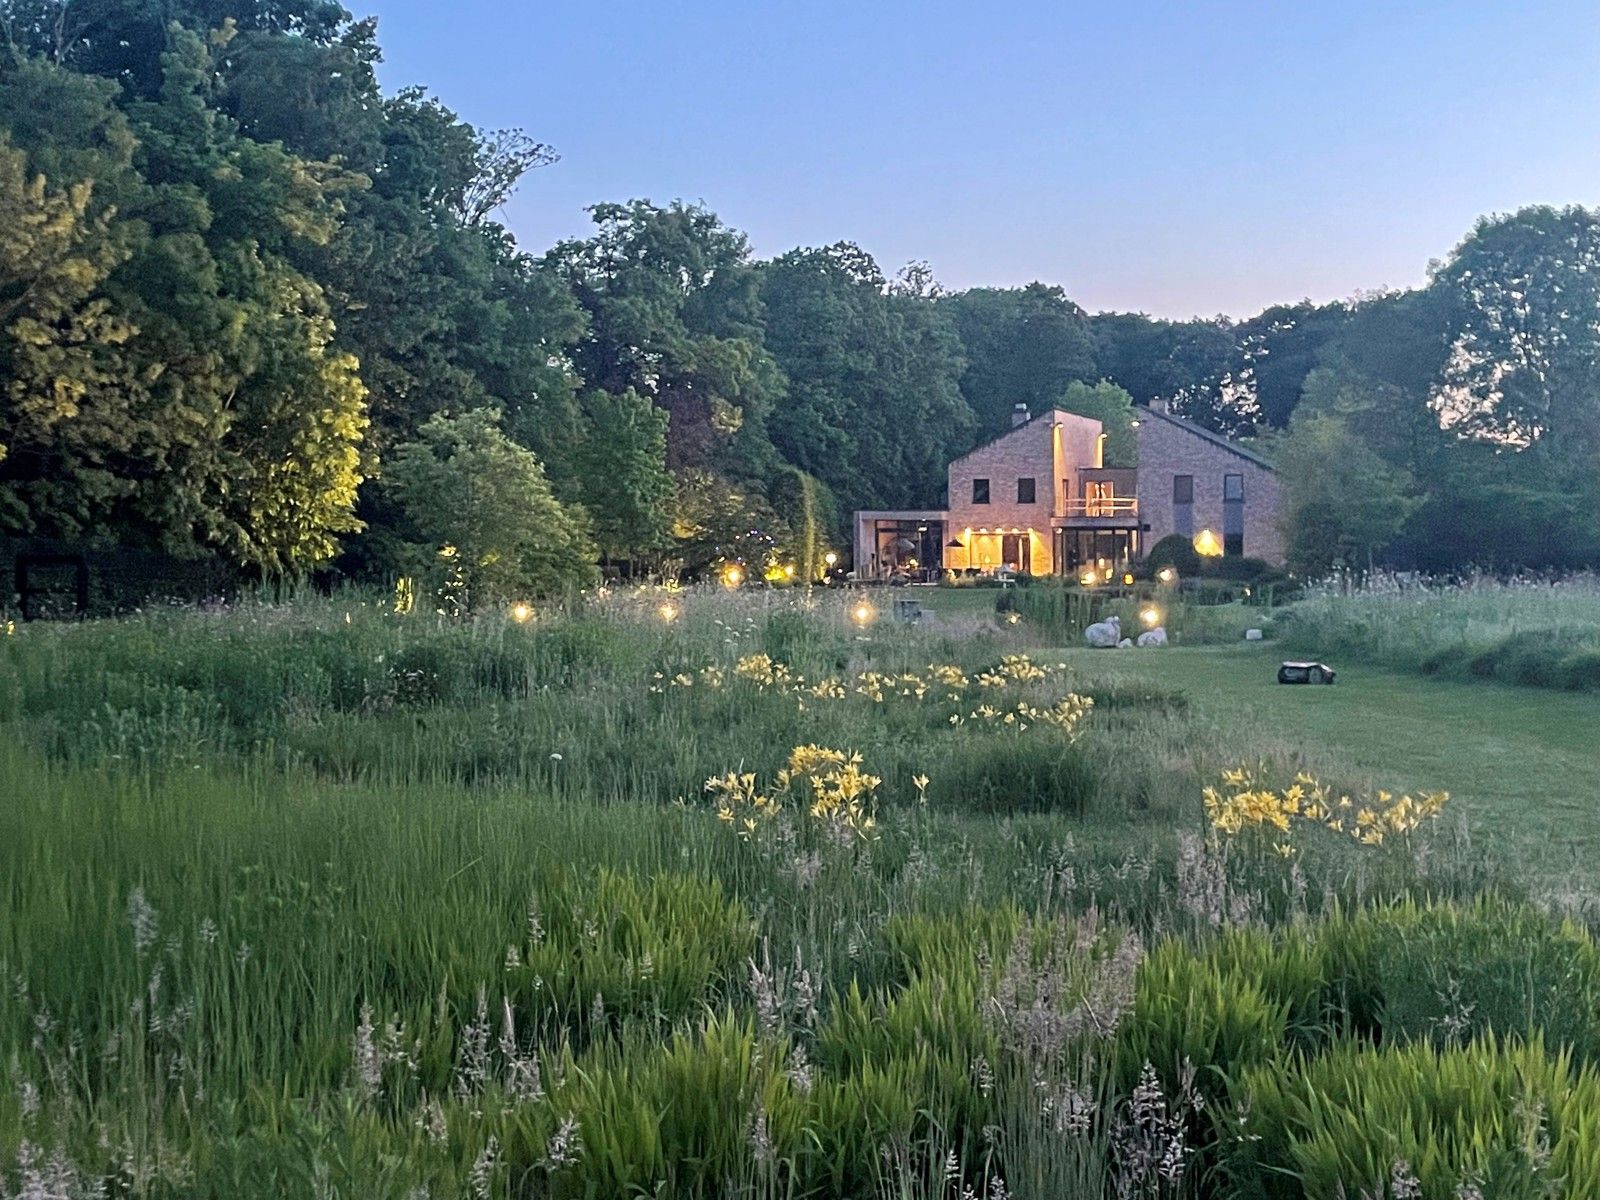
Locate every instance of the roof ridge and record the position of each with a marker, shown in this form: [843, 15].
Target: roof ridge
[1213, 437]
[1001, 436]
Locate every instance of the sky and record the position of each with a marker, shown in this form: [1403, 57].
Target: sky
[1174, 158]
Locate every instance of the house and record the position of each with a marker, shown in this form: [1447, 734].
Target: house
[1041, 499]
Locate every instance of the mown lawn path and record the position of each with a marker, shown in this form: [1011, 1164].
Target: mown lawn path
[1523, 764]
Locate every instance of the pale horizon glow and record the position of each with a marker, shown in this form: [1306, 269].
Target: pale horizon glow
[1170, 158]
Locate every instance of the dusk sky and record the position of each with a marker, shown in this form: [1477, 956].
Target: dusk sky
[1175, 158]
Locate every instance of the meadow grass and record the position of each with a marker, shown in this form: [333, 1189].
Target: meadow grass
[318, 899]
[1533, 632]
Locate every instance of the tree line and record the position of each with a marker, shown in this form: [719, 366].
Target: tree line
[252, 307]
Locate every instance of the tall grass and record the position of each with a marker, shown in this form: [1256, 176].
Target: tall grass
[1535, 632]
[1062, 613]
[322, 900]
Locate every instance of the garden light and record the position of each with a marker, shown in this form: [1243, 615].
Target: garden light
[1207, 544]
[1127, 578]
[863, 613]
[522, 612]
[668, 612]
[1151, 617]
[1088, 579]
[830, 558]
[733, 577]
[1166, 575]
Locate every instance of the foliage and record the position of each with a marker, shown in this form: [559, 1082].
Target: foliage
[187, 388]
[873, 406]
[1501, 1118]
[1342, 504]
[480, 505]
[622, 476]
[1529, 631]
[1022, 345]
[1523, 364]
[1113, 408]
[1186, 363]
[1177, 552]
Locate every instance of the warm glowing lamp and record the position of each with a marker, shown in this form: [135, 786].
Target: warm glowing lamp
[668, 612]
[522, 612]
[733, 577]
[1207, 544]
[1166, 575]
[1151, 617]
[863, 613]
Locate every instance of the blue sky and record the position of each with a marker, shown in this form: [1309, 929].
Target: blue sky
[1176, 158]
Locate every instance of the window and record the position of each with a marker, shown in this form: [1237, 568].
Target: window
[980, 491]
[1026, 491]
[1183, 505]
[1233, 516]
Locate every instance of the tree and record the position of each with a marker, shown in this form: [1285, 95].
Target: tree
[1278, 348]
[193, 393]
[673, 313]
[1342, 504]
[1113, 408]
[719, 520]
[1186, 363]
[622, 477]
[873, 406]
[1022, 346]
[479, 505]
[59, 342]
[1524, 363]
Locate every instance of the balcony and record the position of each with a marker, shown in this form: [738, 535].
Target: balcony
[1100, 497]
[1102, 506]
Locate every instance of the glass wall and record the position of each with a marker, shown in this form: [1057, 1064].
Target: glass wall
[914, 549]
[1078, 549]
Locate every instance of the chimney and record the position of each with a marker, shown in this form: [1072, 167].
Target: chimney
[1019, 414]
[1158, 404]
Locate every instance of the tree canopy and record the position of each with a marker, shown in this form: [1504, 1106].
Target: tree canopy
[243, 292]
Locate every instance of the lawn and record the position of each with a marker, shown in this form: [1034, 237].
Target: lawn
[1522, 763]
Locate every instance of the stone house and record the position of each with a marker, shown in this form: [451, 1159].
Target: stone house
[1041, 499]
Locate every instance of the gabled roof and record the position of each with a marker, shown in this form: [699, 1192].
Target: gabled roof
[1216, 439]
[1049, 414]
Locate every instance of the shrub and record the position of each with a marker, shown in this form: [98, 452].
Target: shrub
[1241, 570]
[485, 525]
[1174, 551]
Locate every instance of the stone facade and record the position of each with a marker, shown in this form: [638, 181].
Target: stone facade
[1047, 449]
[1060, 452]
[1171, 447]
